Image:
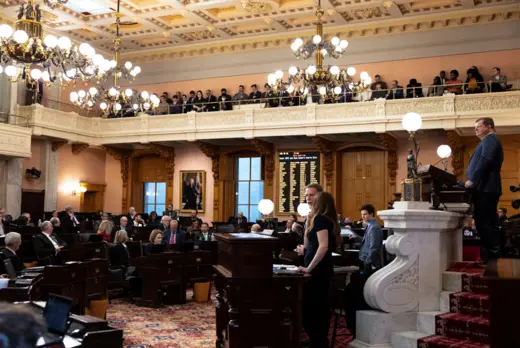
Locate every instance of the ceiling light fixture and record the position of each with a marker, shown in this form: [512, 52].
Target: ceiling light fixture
[53, 3]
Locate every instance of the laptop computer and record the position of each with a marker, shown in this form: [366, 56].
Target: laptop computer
[56, 314]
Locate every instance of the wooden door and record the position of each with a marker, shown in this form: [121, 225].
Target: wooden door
[33, 203]
[363, 181]
[91, 203]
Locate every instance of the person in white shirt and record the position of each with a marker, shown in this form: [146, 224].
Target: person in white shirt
[288, 225]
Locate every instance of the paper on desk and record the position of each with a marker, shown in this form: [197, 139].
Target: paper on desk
[287, 267]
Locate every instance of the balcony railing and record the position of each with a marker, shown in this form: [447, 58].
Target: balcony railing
[443, 112]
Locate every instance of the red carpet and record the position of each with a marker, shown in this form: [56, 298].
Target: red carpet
[467, 324]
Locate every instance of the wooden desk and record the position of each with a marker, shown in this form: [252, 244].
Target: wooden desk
[16, 292]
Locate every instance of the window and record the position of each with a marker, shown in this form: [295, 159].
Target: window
[154, 197]
[250, 187]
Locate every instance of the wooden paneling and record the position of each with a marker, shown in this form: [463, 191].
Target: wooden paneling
[93, 199]
[363, 181]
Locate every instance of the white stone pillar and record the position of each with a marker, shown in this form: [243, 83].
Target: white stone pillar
[49, 178]
[11, 186]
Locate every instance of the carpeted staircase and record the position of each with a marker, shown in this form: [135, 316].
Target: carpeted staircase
[463, 321]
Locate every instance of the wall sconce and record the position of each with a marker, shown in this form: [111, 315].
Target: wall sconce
[79, 189]
[73, 188]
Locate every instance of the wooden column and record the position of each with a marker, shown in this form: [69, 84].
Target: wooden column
[168, 153]
[390, 145]
[266, 150]
[457, 152]
[213, 152]
[123, 157]
[326, 148]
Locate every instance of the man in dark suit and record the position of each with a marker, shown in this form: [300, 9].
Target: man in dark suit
[69, 223]
[255, 95]
[174, 235]
[171, 212]
[48, 246]
[131, 216]
[483, 179]
[225, 100]
[13, 240]
[211, 100]
[237, 220]
[205, 234]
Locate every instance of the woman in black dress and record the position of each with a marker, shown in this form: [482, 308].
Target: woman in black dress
[320, 241]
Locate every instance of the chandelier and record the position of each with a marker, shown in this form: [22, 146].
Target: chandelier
[113, 99]
[329, 80]
[25, 53]
[52, 3]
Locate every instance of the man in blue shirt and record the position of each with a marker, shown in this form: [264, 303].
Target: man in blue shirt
[485, 184]
[372, 241]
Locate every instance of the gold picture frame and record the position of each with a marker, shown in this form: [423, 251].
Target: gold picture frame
[192, 187]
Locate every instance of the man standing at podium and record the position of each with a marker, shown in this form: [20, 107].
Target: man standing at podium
[484, 181]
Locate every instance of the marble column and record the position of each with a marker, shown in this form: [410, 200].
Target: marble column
[11, 186]
[49, 177]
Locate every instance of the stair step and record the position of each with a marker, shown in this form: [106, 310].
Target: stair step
[407, 339]
[470, 304]
[445, 301]
[426, 321]
[443, 341]
[452, 281]
[462, 327]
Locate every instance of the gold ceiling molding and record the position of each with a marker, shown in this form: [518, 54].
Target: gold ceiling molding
[376, 29]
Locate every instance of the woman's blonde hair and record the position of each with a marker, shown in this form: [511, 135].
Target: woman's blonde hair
[106, 227]
[121, 237]
[324, 205]
[154, 234]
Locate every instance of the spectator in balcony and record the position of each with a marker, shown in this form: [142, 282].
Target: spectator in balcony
[454, 84]
[224, 100]
[270, 97]
[164, 107]
[442, 76]
[199, 103]
[285, 98]
[167, 99]
[396, 92]
[191, 99]
[436, 89]
[497, 82]
[255, 95]
[474, 82]
[184, 104]
[379, 87]
[176, 108]
[241, 96]
[179, 95]
[297, 98]
[414, 89]
[211, 100]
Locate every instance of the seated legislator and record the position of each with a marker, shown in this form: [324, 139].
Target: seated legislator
[13, 240]
[139, 221]
[105, 229]
[238, 220]
[156, 238]
[153, 219]
[256, 228]
[69, 223]
[56, 225]
[119, 255]
[174, 235]
[288, 225]
[371, 242]
[47, 245]
[193, 230]
[205, 235]
[170, 212]
[20, 326]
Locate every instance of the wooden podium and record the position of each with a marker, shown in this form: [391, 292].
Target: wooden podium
[255, 308]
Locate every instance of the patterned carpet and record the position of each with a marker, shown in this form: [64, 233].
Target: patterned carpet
[179, 326]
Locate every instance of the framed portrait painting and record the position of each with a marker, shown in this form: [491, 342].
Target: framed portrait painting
[193, 190]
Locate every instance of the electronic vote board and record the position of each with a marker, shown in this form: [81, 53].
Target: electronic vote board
[296, 171]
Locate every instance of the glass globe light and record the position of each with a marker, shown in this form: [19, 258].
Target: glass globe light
[73, 96]
[137, 70]
[82, 93]
[334, 70]
[351, 71]
[316, 39]
[64, 43]
[293, 70]
[118, 107]
[36, 74]
[368, 81]
[335, 41]
[113, 63]
[364, 75]
[343, 44]
[294, 46]
[324, 52]
[154, 98]
[11, 71]
[128, 65]
[305, 91]
[20, 36]
[135, 106]
[337, 90]
[338, 49]
[311, 69]
[266, 206]
[351, 86]
[290, 89]
[50, 41]
[298, 42]
[145, 95]
[1, 69]
[46, 76]
[112, 92]
[98, 59]
[84, 49]
[5, 31]
[90, 103]
[103, 106]
[444, 151]
[93, 90]
[133, 73]
[412, 121]
[278, 74]
[106, 65]
[129, 92]
[322, 90]
[146, 106]
[71, 73]
[271, 78]
[304, 209]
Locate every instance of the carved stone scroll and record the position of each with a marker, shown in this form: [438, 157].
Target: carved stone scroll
[168, 153]
[56, 145]
[123, 156]
[78, 148]
[390, 145]
[457, 152]
[267, 151]
[326, 148]
[212, 152]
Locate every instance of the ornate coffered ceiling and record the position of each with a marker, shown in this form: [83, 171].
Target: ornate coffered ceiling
[159, 29]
